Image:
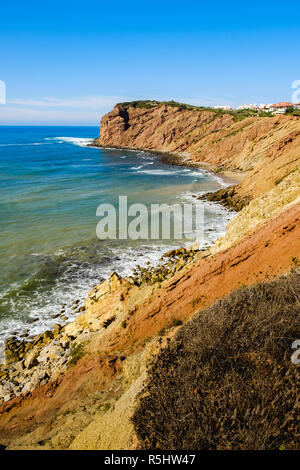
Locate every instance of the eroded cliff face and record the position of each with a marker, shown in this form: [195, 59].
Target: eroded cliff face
[162, 128]
[262, 149]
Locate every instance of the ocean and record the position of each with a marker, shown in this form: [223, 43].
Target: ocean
[51, 184]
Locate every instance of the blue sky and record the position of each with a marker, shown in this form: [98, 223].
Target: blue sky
[70, 62]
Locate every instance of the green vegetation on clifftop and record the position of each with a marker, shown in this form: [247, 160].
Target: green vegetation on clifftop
[238, 115]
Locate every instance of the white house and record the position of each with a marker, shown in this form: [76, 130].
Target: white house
[247, 106]
[281, 108]
[225, 108]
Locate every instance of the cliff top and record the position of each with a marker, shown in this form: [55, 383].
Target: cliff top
[154, 103]
[238, 114]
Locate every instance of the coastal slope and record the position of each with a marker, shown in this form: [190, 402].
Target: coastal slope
[85, 404]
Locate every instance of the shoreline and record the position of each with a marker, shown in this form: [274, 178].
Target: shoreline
[181, 159]
[227, 196]
[36, 360]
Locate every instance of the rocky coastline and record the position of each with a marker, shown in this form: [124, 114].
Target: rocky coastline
[85, 377]
[227, 197]
[33, 361]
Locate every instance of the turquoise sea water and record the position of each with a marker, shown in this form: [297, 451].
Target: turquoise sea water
[51, 184]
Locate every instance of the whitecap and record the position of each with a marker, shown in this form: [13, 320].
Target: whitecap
[157, 172]
[173, 172]
[80, 141]
[25, 144]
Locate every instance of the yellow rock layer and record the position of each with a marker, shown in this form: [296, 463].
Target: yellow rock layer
[260, 210]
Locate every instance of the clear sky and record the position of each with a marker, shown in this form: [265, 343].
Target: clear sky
[69, 62]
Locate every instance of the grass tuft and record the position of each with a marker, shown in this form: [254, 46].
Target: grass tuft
[76, 353]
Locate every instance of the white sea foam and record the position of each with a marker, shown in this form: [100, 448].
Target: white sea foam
[75, 283]
[25, 144]
[216, 217]
[172, 172]
[156, 172]
[80, 141]
[220, 181]
[144, 165]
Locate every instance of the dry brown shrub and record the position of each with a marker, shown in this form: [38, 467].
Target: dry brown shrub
[227, 380]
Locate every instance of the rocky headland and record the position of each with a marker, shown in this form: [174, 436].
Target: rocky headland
[260, 151]
[76, 385]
